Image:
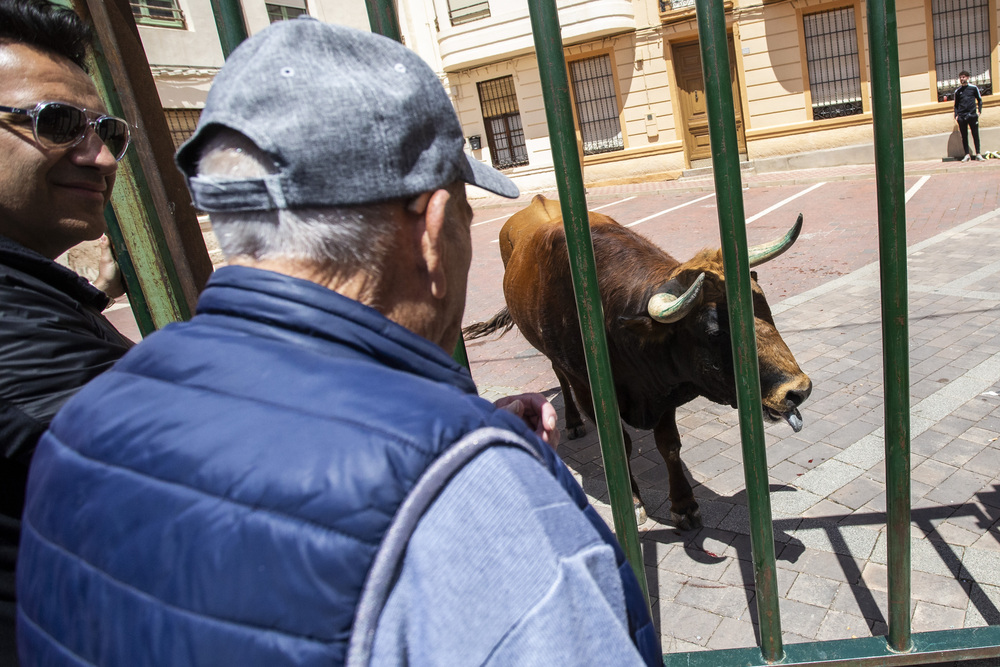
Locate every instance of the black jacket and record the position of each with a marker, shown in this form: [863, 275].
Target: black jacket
[53, 340]
[968, 102]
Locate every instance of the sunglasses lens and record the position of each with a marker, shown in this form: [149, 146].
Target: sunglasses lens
[59, 124]
[114, 133]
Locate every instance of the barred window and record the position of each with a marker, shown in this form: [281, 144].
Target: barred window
[961, 42]
[503, 122]
[834, 65]
[182, 124]
[159, 13]
[597, 105]
[285, 9]
[464, 11]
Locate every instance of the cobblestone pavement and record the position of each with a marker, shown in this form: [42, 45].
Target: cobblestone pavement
[827, 482]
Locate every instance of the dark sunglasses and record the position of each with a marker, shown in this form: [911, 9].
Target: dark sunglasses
[58, 125]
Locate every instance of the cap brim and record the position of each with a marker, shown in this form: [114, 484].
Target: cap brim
[488, 178]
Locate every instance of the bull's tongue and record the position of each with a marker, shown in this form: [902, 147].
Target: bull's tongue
[794, 419]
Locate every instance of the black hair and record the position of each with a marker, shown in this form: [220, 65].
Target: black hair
[965, 73]
[46, 26]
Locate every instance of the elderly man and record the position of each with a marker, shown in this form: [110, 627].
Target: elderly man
[301, 475]
[60, 154]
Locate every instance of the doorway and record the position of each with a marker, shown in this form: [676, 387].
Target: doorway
[691, 84]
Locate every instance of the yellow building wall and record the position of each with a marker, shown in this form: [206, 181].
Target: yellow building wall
[774, 87]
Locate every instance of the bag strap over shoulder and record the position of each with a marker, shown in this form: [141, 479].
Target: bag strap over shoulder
[389, 559]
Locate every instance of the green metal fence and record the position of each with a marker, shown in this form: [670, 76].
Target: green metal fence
[900, 647]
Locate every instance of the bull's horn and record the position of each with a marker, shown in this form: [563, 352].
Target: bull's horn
[768, 251]
[667, 308]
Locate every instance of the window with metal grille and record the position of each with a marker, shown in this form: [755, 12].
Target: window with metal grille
[283, 11]
[961, 42]
[666, 5]
[597, 105]
[502, 118]
[464, 11]
[160, 13]
[834, 65]
[182, 124]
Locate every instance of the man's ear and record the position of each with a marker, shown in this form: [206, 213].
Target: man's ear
[433, 207]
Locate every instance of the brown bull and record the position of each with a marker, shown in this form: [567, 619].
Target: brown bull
[667, 329]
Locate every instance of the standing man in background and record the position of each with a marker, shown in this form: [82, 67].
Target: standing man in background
[60, 156]
[968, 107]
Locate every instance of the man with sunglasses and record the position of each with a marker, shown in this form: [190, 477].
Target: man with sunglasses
[301, 474]
[60, 155]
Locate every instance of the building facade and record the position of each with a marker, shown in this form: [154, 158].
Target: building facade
[800, 71]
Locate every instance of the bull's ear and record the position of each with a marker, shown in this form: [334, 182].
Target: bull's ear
[640, 325]
[753, 274]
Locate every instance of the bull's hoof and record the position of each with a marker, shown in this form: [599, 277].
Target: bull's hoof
[640, 514]
[691, 520]
[576, 432]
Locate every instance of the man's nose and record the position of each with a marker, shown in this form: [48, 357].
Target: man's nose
[92, 151]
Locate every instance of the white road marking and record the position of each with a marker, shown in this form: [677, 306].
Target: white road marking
[476, 224]
[783, 202]
[620, 201]
[669, 210]
[613, 203]
[916, 186]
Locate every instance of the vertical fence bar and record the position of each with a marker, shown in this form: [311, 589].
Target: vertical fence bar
[569, 176]
[133, 287]
[230, 24]
[888, 127]
[732, 227]
[383, 18]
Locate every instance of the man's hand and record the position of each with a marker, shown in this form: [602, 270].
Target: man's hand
[109, 278]
[536, 412]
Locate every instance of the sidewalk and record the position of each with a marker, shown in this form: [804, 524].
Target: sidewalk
[827, 482]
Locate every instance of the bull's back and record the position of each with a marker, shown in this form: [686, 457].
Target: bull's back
[538, 286]
[540, 214]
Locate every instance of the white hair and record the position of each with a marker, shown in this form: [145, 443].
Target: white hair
[344, 239]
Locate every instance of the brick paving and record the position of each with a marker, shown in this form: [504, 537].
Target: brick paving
[828, 481]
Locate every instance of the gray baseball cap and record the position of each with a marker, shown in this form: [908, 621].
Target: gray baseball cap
[348, 117]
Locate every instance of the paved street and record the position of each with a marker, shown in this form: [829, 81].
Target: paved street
[827, 482]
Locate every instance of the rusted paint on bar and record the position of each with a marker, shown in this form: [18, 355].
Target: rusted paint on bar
[151, 201]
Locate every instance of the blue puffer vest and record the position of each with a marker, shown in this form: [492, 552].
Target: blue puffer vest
[230, 423]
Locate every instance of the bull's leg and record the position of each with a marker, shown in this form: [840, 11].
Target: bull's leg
[587, 403]
[637, 505]
[574, 423]
[683, 507]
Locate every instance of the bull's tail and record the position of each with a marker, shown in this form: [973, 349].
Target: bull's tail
[500, 322]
